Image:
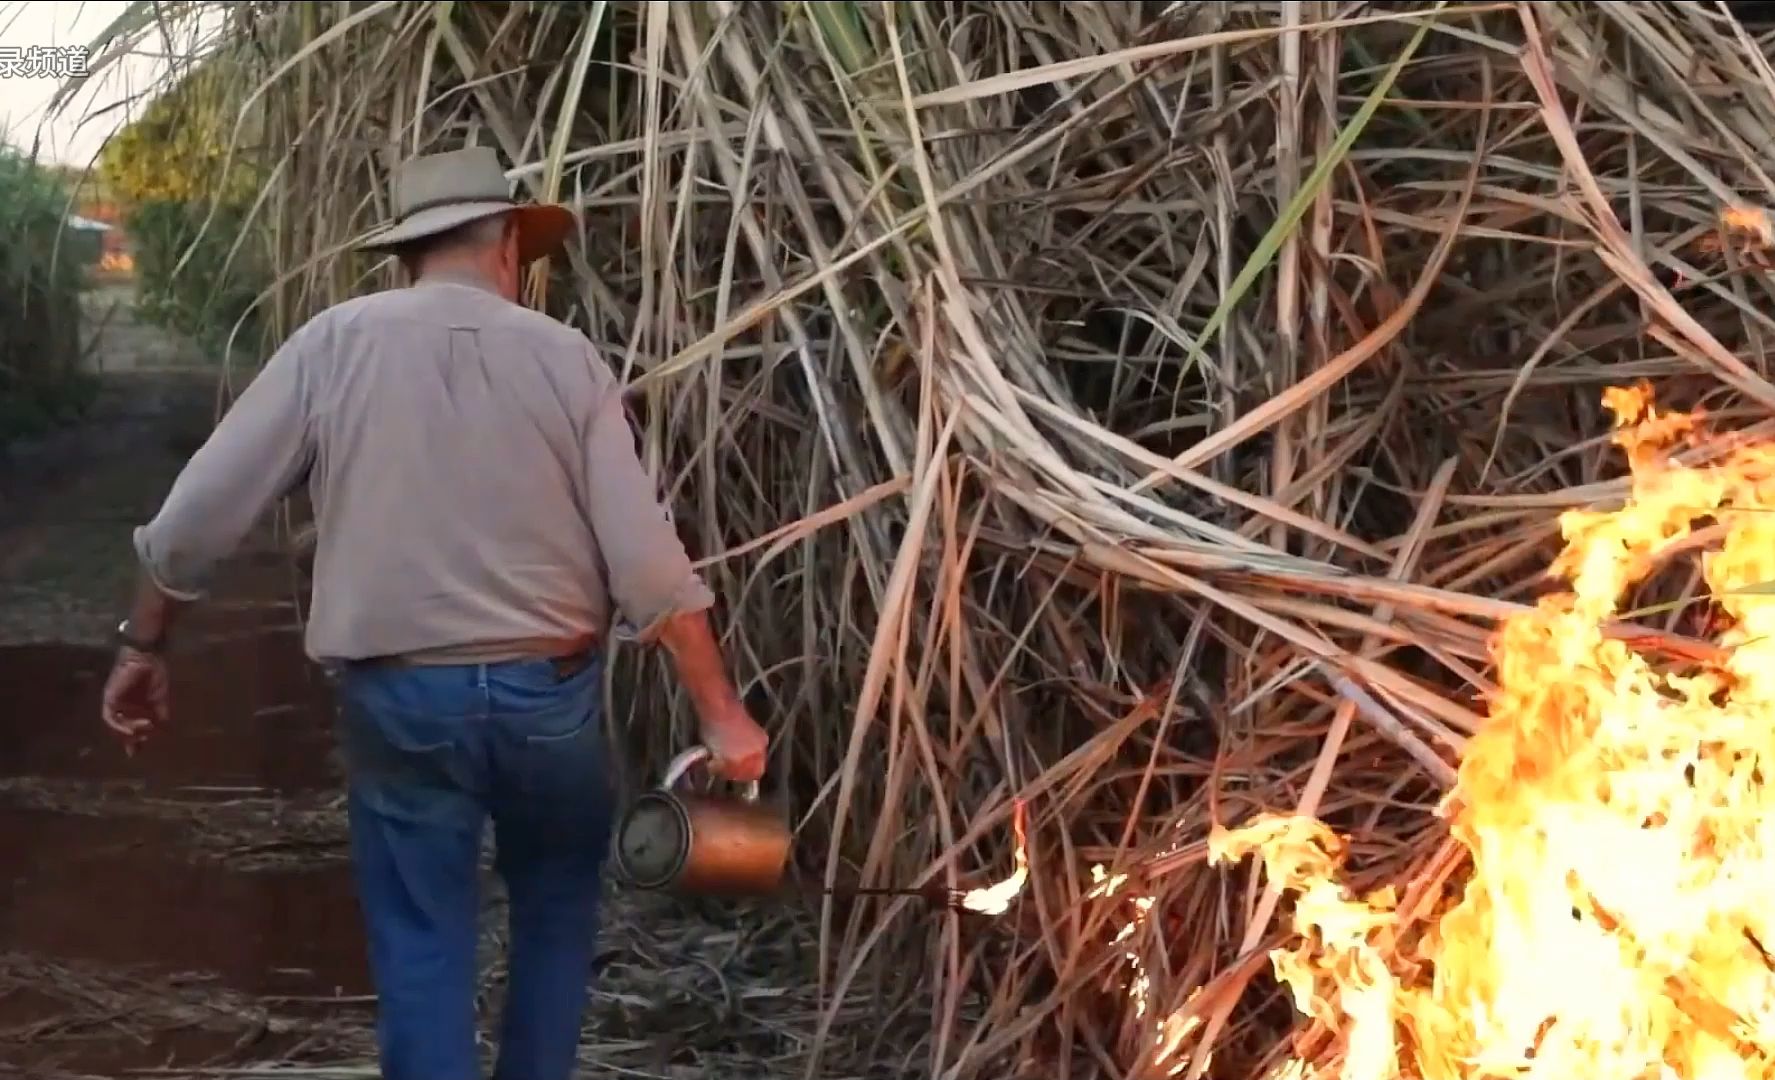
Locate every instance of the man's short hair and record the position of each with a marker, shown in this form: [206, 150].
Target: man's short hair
[481, 232]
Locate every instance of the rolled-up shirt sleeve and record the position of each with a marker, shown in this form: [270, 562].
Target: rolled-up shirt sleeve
[257, 453]
[651, 577]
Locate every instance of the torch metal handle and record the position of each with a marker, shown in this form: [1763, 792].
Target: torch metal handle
[690, 759]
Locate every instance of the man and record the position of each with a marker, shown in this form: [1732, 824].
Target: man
[479, 510]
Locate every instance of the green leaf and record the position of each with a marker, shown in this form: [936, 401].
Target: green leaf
[1272, 241]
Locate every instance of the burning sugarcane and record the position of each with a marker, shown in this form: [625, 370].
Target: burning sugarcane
[1614, 818]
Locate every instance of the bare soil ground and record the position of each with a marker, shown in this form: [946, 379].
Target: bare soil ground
[189, 905]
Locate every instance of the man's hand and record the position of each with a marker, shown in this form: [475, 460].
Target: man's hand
[137, 697]
[736, 743]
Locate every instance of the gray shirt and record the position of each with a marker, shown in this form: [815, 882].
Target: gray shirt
[473, 475]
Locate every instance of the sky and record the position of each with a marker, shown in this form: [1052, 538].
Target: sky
[23, 101]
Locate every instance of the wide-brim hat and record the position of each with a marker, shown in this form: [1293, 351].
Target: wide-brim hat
[435, 193]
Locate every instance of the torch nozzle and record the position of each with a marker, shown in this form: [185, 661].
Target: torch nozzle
[937, 895]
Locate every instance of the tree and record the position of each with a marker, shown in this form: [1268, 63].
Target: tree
[179, 150]
[185, 198]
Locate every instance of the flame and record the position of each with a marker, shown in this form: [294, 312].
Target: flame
[1751, 222]
[1618, 821]
[996, 899]
[1167, 1032]
[1747, 231]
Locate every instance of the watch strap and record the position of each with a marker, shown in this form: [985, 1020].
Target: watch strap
[141, 645]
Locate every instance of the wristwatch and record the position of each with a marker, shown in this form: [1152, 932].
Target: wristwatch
[124, 637]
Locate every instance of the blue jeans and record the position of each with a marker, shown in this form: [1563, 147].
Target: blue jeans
[432, 753]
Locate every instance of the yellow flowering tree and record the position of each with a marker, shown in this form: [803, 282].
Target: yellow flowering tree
[179, 149]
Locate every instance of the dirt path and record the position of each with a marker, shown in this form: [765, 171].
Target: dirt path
[190, 905]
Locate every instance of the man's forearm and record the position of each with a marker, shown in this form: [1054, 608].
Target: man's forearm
[152, 612]
[697, 657]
